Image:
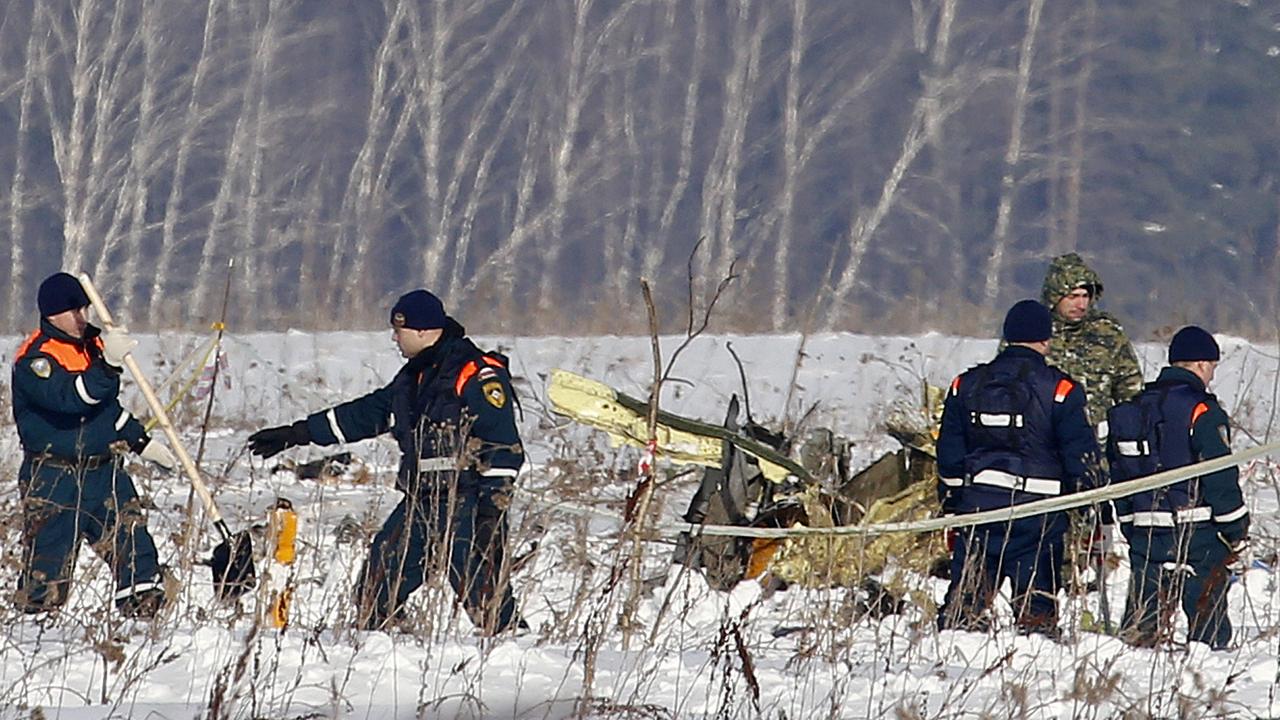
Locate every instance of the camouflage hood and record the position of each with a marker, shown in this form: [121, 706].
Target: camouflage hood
[1066, 273]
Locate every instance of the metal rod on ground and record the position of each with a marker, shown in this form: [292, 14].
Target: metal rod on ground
[236, 578]
[217, 363]
[192, 533]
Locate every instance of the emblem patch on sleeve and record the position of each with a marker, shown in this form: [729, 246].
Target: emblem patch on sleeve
[494, 393]
[41, 367]
[1224, 432]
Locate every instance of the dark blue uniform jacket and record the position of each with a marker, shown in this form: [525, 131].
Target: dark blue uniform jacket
[1175, 422]
[65, 397]
[1014, 430]
[450, 402]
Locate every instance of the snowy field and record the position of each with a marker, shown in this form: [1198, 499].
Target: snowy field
[688, 651]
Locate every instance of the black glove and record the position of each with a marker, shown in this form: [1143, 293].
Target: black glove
[272, 441]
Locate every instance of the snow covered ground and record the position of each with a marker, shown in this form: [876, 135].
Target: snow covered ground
[692, 651]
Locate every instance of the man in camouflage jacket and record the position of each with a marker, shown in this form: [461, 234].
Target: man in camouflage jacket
[1090, 346]
[1088, 343]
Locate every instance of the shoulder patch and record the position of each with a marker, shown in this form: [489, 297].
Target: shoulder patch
[41, 367]
[494, 394]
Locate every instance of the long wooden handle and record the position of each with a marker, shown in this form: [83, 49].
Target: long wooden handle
[157, 409]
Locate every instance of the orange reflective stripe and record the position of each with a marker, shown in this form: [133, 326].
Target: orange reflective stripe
[1201, 409]
[471, 368]
[468, 371]
[955, 385]
[1064, 388]
[25, 346]
[72, 357]
[69, 356]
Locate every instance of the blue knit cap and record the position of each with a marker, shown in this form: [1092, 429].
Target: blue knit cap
[419, 310]
[1027, 321]
[1192, 343]
[60, 292]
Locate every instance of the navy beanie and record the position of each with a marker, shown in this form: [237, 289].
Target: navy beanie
[1192, 343]
[60, 292]
[1026, 322]
[419, 310]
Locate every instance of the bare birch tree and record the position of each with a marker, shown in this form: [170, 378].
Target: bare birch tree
[18, 190]
[720, 188]
[1075, 168]
[944, 92]
[1012, 156]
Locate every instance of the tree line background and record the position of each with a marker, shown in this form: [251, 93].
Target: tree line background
[872, 166]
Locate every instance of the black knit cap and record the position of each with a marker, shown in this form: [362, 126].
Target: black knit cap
[419, 310]
[60, 292]
[1027, 321]
[1192, 343]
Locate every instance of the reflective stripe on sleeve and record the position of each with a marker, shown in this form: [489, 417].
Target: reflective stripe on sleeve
[122, 420]
[952, 482]
[84, 394]
[500, 472]
[333, 425]
[1233, 515]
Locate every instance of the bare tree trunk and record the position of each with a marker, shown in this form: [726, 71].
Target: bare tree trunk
[429, 101]
[17, 191]
[365, 183]
[575, 97]
[170, 245]
[917, 135]
[223, 204]
[655, 253]
[253, 242]
[448, 253]
[938, 61]
[526, 220]
[1056, 152]
[791, 165]
[621, 266]
[98, 198]
[68, 134]
[477, 193]
[720, 188]
[1013, 153]
[1075, 171]
[140, 162]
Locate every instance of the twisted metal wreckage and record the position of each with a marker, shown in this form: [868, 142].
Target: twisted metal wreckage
[750, 481]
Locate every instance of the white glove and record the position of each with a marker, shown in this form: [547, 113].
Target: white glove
[156, 452]
[116, 343]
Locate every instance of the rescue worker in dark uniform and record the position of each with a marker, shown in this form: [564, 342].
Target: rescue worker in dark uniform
[1013, 430]
[1183, 537]
[66, 382]
[450, 410]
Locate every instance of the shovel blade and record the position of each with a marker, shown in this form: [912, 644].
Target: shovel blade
[232, 563]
